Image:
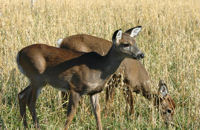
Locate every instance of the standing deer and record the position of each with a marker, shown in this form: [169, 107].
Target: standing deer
[76, 72]
[136, 78]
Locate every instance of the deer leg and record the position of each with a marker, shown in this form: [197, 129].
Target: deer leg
[110, 89]
[110, 92]
[129, 99]
[22, 97]
[64, 96]
[35, 91]
[96, 109]
[72, 105]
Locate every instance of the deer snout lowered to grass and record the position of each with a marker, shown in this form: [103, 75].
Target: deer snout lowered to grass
[76, 72]
[135, 76]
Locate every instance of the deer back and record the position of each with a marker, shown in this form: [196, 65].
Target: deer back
[134, 71]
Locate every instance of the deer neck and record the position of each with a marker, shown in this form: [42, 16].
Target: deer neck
[111, 62]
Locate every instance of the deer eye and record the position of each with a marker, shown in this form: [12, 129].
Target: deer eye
[169, 111]
[126, 45]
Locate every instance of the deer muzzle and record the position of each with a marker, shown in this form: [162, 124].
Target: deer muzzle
[139, 55]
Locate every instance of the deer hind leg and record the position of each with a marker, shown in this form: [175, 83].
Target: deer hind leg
[32, 97]
[22, 97]
[72, 105]
[96, 109]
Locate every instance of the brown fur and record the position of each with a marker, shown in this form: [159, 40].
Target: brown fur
[136, 78]
[67, 70]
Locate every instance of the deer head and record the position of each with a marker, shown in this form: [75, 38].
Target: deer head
[125, 43]
[166, 103]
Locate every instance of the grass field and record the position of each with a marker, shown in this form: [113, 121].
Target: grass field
[170, 39]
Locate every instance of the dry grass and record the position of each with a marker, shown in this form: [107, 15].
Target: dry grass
[170, 39]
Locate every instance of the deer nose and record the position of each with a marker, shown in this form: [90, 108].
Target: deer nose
[140, 55]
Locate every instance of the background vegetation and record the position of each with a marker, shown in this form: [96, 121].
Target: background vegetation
[170, 39]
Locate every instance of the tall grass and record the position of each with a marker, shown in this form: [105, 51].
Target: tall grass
[170, 39]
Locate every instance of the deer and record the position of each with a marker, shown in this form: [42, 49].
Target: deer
[135, 77]
[76, 72]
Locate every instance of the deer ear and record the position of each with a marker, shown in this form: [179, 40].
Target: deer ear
[134, 31]
[117, 36]
[163, 90]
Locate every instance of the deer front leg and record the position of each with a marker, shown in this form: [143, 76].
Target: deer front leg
[64, 96]
[110, 92]
[129, 99]
[72, 105]
[96, 109]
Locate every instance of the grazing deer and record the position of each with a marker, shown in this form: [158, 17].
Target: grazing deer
[135, 78]
[76, 72]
